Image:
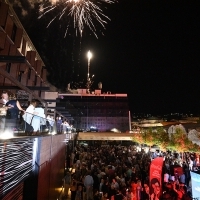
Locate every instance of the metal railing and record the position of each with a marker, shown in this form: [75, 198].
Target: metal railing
[27, 124]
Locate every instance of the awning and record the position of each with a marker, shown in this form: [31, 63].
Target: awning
[104, 136]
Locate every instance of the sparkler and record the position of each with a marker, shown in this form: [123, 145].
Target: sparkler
[79, 12]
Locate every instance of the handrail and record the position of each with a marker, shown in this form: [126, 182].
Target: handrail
[27, 123]
[37, 122]
[27, 112]
[34, 115]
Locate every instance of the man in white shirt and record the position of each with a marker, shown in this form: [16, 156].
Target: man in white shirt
[65, 127]
[30, 111]
[52, 121]
[38, 119]
[28, 115]
[191, 164]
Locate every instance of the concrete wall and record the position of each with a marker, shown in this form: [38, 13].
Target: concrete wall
[51, 170]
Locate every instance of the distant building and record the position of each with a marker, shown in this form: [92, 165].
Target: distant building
[155, 122]
[106, 111]
[148, 122]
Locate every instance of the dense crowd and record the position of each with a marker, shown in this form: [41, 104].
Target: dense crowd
[112, 172]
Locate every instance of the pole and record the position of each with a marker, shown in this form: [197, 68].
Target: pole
[89, 55]
[129, 117]
[87, 117]
[88, 77]
[88, 69]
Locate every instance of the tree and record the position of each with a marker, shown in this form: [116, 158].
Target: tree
[177, 142]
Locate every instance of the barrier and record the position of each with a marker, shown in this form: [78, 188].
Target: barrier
[26, 124]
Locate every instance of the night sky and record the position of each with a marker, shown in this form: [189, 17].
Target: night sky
[150, 50]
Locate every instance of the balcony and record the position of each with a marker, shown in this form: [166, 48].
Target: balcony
[31, 149]
[27, 124]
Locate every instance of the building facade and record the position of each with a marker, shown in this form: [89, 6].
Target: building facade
[32, 167]
[105, 112]
[20, 61]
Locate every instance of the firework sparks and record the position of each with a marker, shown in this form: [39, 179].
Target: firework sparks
[80, 12]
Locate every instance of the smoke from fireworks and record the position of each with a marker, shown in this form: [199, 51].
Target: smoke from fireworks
[80, 12]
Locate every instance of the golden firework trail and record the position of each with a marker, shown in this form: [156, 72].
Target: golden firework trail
[82, 12]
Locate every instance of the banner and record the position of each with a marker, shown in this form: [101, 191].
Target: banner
[195, 179]
[156, 178]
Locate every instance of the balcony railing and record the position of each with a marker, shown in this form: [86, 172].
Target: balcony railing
[27, 124]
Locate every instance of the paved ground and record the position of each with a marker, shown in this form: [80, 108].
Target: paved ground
[66, 198]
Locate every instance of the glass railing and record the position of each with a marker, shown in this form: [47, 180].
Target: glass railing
[27, 124]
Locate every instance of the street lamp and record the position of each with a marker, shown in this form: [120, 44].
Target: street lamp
[89, 56]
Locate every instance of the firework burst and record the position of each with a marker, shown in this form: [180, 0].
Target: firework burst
[80, 13]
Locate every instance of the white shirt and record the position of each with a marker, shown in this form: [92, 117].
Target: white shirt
[40, 113]
[29, 114]
[166, 178]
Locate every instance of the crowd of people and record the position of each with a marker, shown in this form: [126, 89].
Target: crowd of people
[109, 172]
[115, 172]
[63, 126]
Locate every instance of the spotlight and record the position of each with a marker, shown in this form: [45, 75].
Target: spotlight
[6, 134]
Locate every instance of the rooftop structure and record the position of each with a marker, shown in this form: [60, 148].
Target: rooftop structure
[103, 111]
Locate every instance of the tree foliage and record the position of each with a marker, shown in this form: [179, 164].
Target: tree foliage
[178, 141]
